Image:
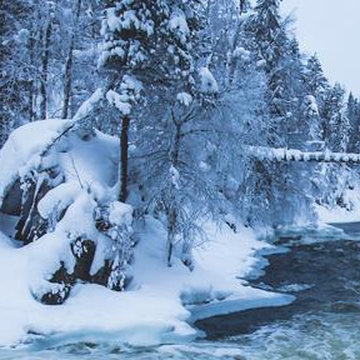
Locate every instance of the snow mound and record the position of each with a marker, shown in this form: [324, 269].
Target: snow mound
[159, 305]
[23, 148]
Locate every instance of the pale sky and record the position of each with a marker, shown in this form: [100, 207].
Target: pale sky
[330, 28]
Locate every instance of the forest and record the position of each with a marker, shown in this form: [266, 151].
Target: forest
[134, 133]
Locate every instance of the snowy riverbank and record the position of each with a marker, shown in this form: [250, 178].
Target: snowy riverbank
[161, 304]
[161, 299]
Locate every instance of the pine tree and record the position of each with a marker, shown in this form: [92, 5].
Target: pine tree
[150, 45]
[150, 41]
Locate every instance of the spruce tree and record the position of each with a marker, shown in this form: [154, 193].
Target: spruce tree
[336, 123]
[353, 114]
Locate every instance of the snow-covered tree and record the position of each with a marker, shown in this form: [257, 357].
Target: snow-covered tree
[336, 124]
[279, 57]
[16, 79]
[353, 114]
[315, 81]
[316, 85]
[150, 43]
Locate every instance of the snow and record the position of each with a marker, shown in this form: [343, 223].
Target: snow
[174, 177]
[184, 98]
[348, 214]
[58, 199]
[103, 150]
[151, 311]
[119, 101]
[112, 21]
[120, 213]
[311, 104]
[22, 36]
[242, 53]
[261, 64]
[208, 84]
[88, 106]
[178, 25]
[339, 215]
[160, 303]
[282, 154]
[22, 150]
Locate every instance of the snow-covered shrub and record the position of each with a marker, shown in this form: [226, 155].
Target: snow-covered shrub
[115, 221]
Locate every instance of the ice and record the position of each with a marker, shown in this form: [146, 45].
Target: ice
[309, 233]
[294, 288]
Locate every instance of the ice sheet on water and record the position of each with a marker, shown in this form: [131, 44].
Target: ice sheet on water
[320, 335]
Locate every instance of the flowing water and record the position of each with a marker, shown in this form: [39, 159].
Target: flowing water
[323, 323]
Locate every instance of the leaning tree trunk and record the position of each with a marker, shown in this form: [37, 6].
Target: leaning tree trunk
[124, 160]
[44, 69]
[69, 65]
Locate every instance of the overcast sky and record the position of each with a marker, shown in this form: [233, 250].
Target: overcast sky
[331, 29]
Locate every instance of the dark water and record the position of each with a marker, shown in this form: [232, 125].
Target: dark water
[324, 277]
[322, 324]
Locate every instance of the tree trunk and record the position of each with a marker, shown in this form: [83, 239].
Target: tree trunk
[32, 86]
[172, 212]
[124, 147]
[171, 234]
[44, 69]
[69, 65]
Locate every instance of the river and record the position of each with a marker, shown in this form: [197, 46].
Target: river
[323, 323]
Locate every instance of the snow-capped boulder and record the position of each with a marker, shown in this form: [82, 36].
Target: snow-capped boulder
[60, 190]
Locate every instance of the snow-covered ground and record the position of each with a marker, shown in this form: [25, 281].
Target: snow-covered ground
[155, 309]
[161, 303]
[339, 215]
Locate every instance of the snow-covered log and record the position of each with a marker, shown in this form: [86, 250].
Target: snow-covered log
[292, 155]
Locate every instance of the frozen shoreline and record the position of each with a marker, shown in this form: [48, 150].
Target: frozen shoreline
[163, 301]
